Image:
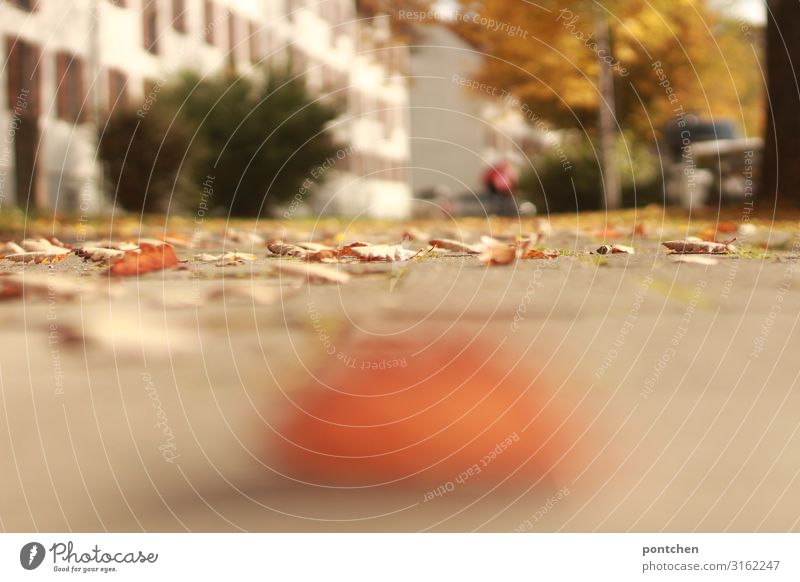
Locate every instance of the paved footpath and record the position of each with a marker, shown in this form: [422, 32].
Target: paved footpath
[672, 389]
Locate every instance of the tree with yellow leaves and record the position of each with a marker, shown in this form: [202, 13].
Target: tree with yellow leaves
[669, 58]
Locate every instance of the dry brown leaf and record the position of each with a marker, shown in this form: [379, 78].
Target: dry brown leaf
[537, 254]
[147, 258]
[347, 250]
[286, 250]
[323, 256]
[41, 245]
[99, 254]
[234, 258]
[498, 254]
[315, 247]
[455, 246]
[312, 273]
[111, 244]
[688, 247]
[10, 248]
[615, 250]
[37, 257]
[383, 253]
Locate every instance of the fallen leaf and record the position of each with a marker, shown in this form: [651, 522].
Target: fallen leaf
[99, 254]
[537, 254]
[37, 257]
[391, 412]
[315, 247]
[699, 247]
[615, 250]
[110, 244]
[147, 258]
[323, 256]
[42, 245]
[312, 273]
[286, 250]
[499, 253]
[10, 248]
[234, 258]
[455, 246]
[383, 253]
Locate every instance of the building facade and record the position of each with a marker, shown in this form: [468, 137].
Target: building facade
[459, 125]
[66, 65]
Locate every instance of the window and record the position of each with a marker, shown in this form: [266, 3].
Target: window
[23, 77]
[179, 15]
[254, 42]
[120, 3]
[71, 91]
[210, 24]
[117, 89]
[232, 26]
[150, 26]
[29, 5]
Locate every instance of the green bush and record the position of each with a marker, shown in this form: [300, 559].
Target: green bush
[142, 156]
[568, 179]
[257, 140]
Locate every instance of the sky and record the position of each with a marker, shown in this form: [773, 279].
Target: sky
[751, 10]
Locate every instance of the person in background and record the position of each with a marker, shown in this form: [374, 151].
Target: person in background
[501, 181]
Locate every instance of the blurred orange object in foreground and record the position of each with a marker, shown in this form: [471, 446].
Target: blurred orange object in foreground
[382, 413]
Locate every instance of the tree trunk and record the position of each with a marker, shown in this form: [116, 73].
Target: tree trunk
[780, 183]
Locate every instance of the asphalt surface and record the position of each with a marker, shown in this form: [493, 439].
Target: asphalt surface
[160, 403]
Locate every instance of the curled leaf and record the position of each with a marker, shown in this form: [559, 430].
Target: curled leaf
[615, 250]
[383, 253]
[286, 250]
[688, 247]
[43, 257]
[147, 258]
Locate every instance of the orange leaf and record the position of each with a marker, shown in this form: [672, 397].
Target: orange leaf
[146, 259]
[388, 411]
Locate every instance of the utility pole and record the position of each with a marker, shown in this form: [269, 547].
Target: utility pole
[607, 111]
